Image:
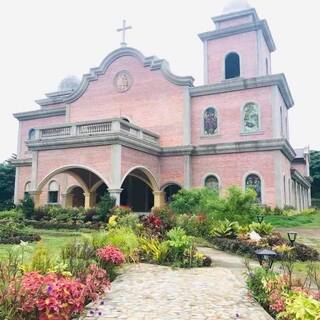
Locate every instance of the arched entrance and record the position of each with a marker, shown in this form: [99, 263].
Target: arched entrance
[137, 190]
[83, 194]
[170, 190]
[78, 199]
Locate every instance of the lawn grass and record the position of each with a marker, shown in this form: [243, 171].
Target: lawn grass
[54, 240]
[300, 220]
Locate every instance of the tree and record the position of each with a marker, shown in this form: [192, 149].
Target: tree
[7, 179]
[315, 173]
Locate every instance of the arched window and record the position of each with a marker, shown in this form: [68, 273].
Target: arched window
[125, 119]
[170, 190]
[53, 192]
[212, 182]
[251, 118]
[253, 181]
[232, 66]
[27, 189]
[210, 122]
[32, 134]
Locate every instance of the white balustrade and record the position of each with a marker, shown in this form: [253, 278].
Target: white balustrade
[92, 128]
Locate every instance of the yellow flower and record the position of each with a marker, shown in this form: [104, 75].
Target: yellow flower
[113, 221]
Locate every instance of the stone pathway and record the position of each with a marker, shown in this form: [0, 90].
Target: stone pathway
[151, 292]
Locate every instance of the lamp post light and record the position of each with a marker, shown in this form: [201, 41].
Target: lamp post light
[292, 236]
[260, 218]
[266, 258]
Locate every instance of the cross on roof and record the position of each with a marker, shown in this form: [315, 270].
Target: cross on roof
[123, 30]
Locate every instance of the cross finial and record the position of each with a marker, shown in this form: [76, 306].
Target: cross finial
[123, 30]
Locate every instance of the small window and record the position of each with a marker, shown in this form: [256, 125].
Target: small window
[212, 182]
[232, 66]
[251, 118]
[32, 134]
[210, 122]
[253, 181]
[27, 189]
[53, 192]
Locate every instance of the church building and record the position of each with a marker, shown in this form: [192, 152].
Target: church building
[133, 128]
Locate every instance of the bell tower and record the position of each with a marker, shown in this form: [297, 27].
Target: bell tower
[240, 46]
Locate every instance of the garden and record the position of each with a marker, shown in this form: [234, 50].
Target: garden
[56, 261]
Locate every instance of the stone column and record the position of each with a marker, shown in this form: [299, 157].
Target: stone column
[115, 193]
[159, 199]
[89, 200]
[35, 195]
[66, 200]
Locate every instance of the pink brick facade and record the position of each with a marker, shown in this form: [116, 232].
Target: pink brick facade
[131, 117]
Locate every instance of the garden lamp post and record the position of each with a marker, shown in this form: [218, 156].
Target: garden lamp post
[292, 236]
[260, 218]
[266, 258]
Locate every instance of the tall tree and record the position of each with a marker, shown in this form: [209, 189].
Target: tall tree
[315, 173]
[7, 178]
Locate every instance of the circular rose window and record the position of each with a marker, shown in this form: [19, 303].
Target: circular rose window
[123, 81]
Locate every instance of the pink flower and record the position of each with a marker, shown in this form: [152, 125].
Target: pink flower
[111, 255]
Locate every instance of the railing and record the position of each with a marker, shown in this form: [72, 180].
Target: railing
[94, 128]
[55, 132]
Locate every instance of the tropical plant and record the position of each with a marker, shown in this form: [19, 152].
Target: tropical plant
[154, 250]
[225, 229]
[263, 229]
[300, 306]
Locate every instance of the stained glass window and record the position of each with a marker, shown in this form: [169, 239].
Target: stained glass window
[251, 121]
[254, 182]
[210, 121]
[212, 182]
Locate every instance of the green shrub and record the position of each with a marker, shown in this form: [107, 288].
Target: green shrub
[240, 206]
[129, 221]
[256, 281]
[263, 229]
[195, 201]
[41, 260]
[225, 229]
[15, 215]
[104, 207]
[27, 207]
[77, 256]
[121, 211]
[126, 240]
[196, 226]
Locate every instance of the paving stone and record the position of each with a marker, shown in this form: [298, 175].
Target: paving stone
[145, 291]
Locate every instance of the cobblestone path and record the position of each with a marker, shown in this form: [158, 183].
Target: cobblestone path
[151, 292]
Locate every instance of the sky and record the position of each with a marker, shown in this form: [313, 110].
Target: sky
[43, 41]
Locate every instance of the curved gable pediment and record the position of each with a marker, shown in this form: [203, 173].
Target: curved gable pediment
[152, 63]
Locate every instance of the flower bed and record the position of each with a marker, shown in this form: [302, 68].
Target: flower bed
[281, 298]
[13, 233]
[248, 247]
